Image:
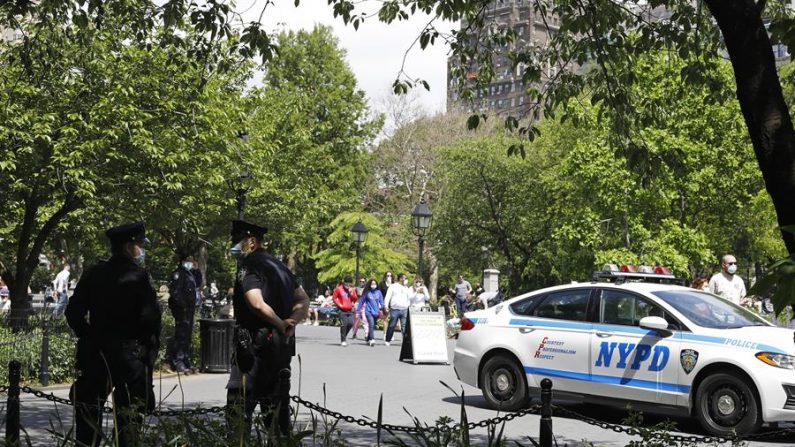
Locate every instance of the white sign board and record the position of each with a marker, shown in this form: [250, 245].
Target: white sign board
[427, 337]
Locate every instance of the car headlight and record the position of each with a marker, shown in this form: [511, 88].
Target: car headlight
[777, 360]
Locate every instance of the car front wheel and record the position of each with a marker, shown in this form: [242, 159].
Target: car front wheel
[503, 383]
[727, 406]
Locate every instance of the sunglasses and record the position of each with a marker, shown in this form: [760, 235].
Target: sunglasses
[732, 263]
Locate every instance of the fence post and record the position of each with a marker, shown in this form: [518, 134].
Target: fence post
[284, 400]
[44, 374]
[545, 429]
[12, 406]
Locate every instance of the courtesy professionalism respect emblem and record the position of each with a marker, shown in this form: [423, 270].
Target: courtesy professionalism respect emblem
[689, 358]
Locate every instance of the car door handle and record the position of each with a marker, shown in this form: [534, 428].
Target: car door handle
[526, 330]
[604, 334]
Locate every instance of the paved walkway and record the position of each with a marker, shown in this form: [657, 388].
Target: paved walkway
[350, 380]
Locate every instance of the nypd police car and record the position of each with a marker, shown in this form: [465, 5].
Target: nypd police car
[637, 340]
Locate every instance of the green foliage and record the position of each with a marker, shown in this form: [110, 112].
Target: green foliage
[657, 435]
[376, 257]
[690, 193]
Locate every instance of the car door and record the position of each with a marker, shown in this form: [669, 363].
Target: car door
[555, 335]
[630, 362]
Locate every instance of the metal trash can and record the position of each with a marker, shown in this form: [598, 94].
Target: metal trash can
[217, 338]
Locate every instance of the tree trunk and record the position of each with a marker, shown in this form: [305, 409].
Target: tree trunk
[762, 102]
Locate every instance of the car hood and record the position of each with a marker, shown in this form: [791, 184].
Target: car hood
[756, 338]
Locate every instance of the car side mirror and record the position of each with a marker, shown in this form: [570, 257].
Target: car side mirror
[657, 324]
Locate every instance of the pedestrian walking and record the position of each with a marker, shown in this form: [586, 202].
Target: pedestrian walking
[115, 315]
[268, 304]
[462, 291]
[358, 316]
[60, 290]
[397, 302]
[383, 286]
[419, 295]
[371, 305]
[345, 298]
[182, 297]
[726, 283]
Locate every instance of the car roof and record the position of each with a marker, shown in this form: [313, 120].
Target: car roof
[641, 287]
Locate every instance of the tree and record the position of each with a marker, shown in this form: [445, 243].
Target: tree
[339, 259]
[575, 202]
[100, 127]
[309, 129]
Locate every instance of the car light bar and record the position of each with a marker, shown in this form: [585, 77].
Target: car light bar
[644, 273]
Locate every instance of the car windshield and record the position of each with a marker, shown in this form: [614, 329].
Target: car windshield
[710, 311]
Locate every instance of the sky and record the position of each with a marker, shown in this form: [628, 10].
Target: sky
[375, 52]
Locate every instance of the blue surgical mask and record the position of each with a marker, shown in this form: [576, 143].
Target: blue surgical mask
[141, 257]
[187, 265]
[236, 251]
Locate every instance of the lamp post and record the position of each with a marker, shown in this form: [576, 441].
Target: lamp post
[243, 182]
[358, 236]
[420, 223]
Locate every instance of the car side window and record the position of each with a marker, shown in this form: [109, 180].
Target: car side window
[626, 309]
[525, 306]
[565, 305]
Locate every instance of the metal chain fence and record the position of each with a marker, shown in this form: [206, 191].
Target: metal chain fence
[441, 428]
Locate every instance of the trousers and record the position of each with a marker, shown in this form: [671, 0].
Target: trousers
[121, 368]
[394, 316]
[266, 384]
[183, 336]
[346, 323]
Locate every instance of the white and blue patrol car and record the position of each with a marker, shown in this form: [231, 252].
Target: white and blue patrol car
[652, 346]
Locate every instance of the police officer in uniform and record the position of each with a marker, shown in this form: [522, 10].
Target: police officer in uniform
[182, 297]
[268, 304]
[115, 315]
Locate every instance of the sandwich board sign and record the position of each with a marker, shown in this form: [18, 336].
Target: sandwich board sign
[426, 338]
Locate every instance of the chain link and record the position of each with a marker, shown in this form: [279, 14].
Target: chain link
[693, 439]
[416, 429]
[443, 428]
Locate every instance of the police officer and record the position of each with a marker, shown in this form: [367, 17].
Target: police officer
[268, 303]
[115, 315]
[182, 298]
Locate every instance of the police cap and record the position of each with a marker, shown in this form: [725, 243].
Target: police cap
[129, 232]
[241, 229]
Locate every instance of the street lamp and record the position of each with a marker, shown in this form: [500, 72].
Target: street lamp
[420, 223]
[358, 236]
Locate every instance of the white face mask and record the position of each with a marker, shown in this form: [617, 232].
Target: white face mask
[373, 286]
[187, 265]
[732, 269]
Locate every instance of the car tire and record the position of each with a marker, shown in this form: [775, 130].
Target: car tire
[503, 383]
[726, 405]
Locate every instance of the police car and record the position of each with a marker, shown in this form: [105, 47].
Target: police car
[636, 340]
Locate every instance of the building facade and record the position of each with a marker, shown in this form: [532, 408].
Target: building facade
[506, 94]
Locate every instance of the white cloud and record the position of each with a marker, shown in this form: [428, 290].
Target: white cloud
[375, 52]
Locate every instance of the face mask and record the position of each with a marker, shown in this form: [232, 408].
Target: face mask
[732, 269]
[188, 265]
[373, 287]
[141, 256]
[237, 251]
[405, 282]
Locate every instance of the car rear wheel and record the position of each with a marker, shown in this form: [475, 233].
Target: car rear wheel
[727, 406]
[503, 383]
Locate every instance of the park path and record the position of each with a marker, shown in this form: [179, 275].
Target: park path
[353, 378]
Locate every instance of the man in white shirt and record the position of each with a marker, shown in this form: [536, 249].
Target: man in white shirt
[397, 302]
[727, 284]
[60, 287]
